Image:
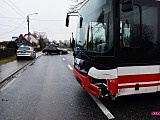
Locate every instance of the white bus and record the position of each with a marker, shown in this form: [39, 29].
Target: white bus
[118, 45]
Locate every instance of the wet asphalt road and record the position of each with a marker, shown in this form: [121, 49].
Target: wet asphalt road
[47, 90]
[136, 107]
[9, 68]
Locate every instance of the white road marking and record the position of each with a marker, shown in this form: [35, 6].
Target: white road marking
[100, 105]
[103, 108]
[70, 67]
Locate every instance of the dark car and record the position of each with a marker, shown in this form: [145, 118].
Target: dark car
[50, 49]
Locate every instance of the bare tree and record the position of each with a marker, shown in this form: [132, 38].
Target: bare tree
[41, 35]
[75, 5]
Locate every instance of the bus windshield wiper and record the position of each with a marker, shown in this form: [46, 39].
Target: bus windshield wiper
[88, 56]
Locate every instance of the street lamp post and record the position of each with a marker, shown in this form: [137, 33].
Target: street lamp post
[28, 22]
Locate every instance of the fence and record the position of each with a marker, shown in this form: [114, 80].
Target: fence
[4, 53]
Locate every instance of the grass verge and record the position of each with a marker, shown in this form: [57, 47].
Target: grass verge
[8, 59]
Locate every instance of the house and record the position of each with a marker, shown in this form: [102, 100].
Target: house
[3, 44]
[21, 40]
[27, 39]
[31, 38]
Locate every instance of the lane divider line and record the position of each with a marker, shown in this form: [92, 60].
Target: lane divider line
[103, 108]
[100, 105]
[70, 67]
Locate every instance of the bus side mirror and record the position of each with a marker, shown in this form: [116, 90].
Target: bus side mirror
[67, 20]
[127, 6]
[81, 21]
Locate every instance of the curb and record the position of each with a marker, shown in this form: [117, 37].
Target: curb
[5, 80]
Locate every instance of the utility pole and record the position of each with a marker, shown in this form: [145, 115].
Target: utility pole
[72, 35]
[28, 23]
[73, 42]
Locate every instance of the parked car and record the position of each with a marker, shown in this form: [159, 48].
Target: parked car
[26, 51]
[50, 49]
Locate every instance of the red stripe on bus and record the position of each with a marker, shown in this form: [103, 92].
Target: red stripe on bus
[138, 78]
[140, 86]
[85, 83]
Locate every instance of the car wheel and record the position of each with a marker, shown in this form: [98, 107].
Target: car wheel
[46, 53]
[60, 52]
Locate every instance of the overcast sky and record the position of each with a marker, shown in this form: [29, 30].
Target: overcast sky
[50, 19]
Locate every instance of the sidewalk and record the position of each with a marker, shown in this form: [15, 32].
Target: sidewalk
[11, 67]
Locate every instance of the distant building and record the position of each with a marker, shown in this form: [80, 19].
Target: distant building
[67, 43]
[31, 38]
[21, 40]
[3, 44]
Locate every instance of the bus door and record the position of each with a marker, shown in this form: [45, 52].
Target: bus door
[139, 71]
[158, 89]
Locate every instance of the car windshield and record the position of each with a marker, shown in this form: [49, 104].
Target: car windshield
[24, 48]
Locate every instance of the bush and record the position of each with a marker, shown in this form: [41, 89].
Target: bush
[4, 53]
[12, 44]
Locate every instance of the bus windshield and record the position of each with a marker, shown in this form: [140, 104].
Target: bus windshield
[96, 33]
[110, 30]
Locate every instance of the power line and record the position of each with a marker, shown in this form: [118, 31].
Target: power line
[31, 19]
[13, 9]
[17, 7]
[4, 10]
[51, 20]
[6, 25]
[12, 18]
[46, 20]
[13, 29]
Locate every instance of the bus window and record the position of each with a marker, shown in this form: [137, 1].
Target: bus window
[96, 36]
[139, 38]
[130, 28]
[125, 33]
